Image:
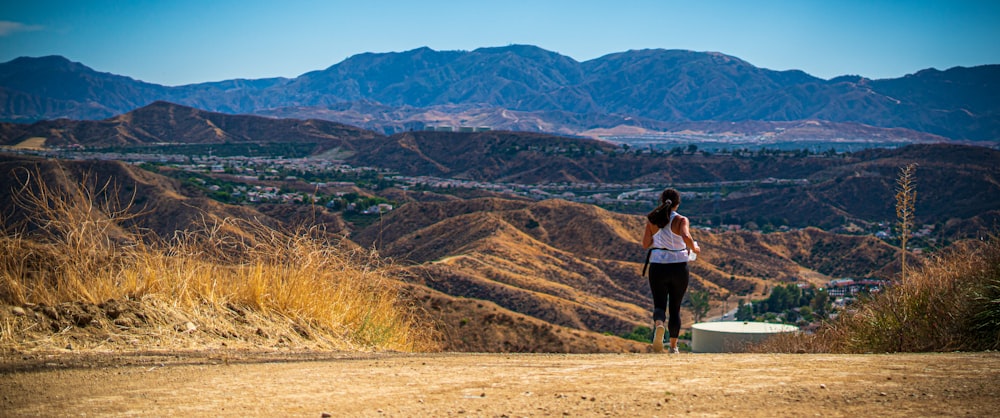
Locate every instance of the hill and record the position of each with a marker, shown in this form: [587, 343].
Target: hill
[163, 122]
[955, 184]
[640, 88]
[579, 266]
[160, 206]
[488, 271]
[828, 191]
[150, 201]
[956, 181]
[791, 188]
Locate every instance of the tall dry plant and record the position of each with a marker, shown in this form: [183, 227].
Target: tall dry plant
[950, 303]
[906, 198]
[295, 285]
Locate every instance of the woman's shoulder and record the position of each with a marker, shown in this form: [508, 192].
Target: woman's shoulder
[677, 222]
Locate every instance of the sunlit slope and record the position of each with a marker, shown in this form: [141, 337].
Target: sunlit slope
[148, 201]
[579, 266]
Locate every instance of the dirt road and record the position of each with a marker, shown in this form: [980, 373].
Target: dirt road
[489, 385]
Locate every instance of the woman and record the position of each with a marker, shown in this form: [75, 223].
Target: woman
[668, 241]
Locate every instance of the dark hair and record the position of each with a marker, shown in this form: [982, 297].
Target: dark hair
[669, 200]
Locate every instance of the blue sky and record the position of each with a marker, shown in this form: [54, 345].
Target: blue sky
[184, 41]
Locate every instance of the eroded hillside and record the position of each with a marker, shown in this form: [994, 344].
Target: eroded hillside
[515, 267]
[579, 266]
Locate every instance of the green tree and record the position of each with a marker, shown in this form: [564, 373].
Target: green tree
[807, 313]
[791, 316]
[699, 304]
[820, 305]
[640, 333]
[744, 312]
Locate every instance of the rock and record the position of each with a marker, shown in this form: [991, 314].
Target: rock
[822, 386]
[50, 312]
[19, 311]
[82, 319]
[112, 309]
[325, 415]
[69, 346]
[186, 327]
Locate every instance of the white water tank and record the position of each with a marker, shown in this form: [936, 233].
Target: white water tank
[732, 336]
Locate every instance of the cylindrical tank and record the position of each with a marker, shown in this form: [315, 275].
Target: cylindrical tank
[732, 336]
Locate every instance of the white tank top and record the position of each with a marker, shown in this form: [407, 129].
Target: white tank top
[676, 251]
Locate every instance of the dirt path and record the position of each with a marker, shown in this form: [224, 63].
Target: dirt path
[200, 384]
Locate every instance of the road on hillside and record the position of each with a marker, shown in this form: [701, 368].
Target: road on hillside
[495, 385]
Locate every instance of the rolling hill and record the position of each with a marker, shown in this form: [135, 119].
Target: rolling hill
[149, 201]
[579, 266]
[163, 122]
[498, 274]
[160, 207]
[956, 182]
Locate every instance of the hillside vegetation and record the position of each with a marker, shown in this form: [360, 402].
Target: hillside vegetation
[156, 259]
[82, 279]
[950, 303]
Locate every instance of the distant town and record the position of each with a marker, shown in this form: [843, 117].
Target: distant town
[239, 179]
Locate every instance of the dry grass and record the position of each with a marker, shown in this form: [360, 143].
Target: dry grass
[950, 303]
[234, 282]
[33, 143]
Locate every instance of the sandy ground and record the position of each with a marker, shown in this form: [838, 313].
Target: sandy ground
[496, 385]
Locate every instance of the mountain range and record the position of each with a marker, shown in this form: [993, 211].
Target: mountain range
[522, 87]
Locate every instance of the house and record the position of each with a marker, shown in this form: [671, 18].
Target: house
[379, 208]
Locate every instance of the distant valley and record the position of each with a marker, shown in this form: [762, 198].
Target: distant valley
[792, 188]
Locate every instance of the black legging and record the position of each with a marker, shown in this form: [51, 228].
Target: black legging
[668, 281]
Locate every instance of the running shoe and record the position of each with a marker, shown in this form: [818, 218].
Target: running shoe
[658, 339]
[674, 350]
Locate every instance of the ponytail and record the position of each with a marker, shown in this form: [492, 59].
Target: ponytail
[661, 215]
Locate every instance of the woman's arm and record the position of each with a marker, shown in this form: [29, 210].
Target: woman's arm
[682, 228]
[647, 235]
